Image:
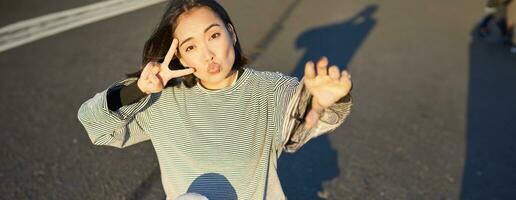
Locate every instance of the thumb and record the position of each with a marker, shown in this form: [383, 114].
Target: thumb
[311, 118]
[316, 106]
[314, 113]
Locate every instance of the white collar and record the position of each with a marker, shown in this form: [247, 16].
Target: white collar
[234, 81]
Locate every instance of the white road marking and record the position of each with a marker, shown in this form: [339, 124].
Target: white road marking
[26, 31]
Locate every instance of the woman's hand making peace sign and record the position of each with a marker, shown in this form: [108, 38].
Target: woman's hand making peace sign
[156, 75]
[327, 87]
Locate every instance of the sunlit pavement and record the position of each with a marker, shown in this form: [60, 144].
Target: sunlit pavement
[433, 114]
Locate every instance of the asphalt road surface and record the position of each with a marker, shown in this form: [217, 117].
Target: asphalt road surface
[434, 113]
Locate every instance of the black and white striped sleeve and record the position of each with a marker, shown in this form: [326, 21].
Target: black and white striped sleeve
[120, 128]
[284, 91]
[295, 134]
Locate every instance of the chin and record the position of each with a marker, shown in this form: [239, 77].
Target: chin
[212, 79]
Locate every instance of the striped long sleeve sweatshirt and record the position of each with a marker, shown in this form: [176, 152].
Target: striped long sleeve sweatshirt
[223, 144]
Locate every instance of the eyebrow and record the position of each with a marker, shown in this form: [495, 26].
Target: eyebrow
[205, 30]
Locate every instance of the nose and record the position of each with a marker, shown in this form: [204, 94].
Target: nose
[208, 53]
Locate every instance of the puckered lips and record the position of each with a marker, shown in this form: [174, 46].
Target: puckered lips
[213, 68]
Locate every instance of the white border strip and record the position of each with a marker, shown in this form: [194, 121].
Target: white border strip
[26, 31]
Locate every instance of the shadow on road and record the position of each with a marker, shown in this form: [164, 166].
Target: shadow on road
[491, 122]
[303, 173]
[277, 27]
[147, 186]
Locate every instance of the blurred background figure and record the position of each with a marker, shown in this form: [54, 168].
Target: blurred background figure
[496, 11]
[512, 17]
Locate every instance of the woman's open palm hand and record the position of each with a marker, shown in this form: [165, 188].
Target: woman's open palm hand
[156, 75]
[327, 86]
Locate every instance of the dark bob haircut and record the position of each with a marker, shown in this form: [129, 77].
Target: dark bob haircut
[159, 42]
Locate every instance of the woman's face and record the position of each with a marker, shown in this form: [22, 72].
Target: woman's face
[206, 45]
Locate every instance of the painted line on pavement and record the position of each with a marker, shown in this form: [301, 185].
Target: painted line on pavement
[30, 30]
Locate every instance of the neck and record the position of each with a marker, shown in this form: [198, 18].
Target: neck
[222, 84]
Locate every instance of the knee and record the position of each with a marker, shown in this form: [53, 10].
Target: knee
[191, 196]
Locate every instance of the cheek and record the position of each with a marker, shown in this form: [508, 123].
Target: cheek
[231, 55]
[226, 51]
[191, 60]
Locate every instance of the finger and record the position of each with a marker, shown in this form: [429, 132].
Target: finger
[322, 66]
[334, 72]
[146, 70]
[170, 53]
[182, 72]
[154, 70]
[309, 70]
[170, 74]
[155, 80]
[345, 77]
[345, 74]
[164, 68]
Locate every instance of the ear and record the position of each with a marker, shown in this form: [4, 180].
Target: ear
[231, 30]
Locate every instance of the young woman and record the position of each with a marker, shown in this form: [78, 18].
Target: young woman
[217, 125]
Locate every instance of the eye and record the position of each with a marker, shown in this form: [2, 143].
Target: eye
[215, 35]
[189, 48]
